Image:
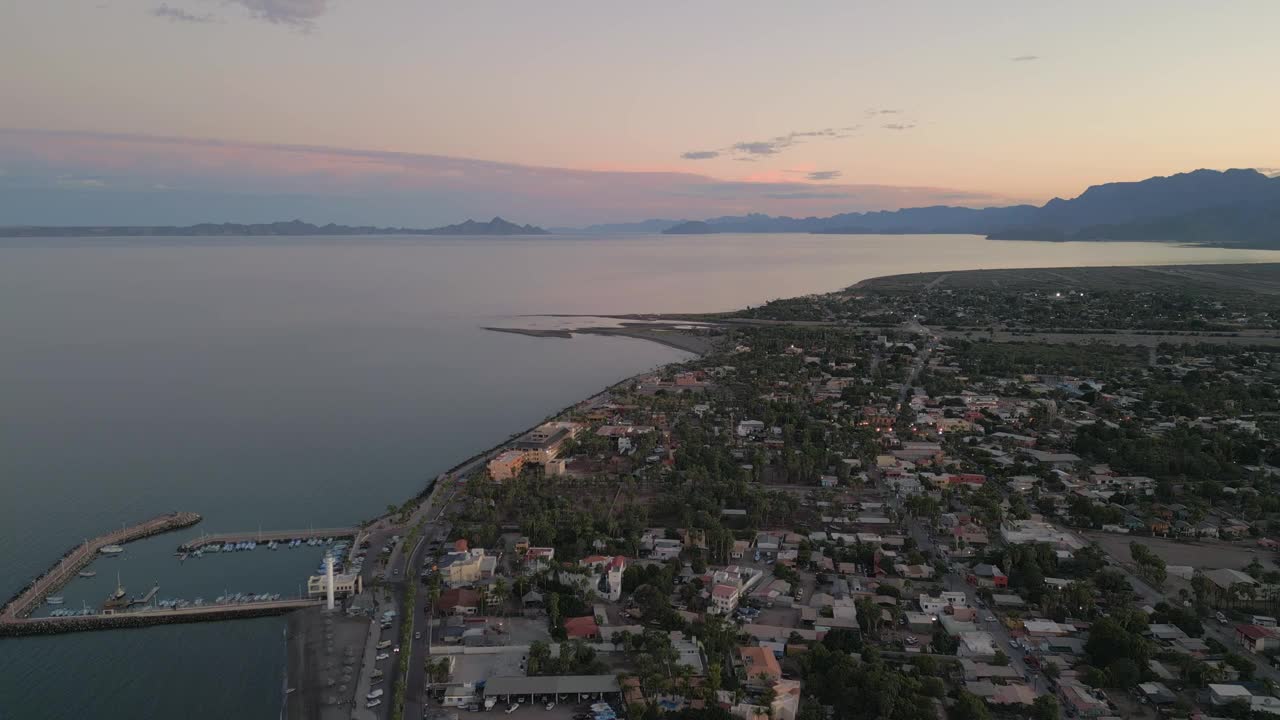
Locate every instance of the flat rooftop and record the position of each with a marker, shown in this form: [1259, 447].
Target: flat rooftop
[551, 684]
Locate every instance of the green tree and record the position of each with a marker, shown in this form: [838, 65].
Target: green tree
[1045, 707]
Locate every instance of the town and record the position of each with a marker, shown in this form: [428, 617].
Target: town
[830, 517]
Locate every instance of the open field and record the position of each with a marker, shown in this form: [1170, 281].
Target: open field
[1201, 554]
[1233, 279]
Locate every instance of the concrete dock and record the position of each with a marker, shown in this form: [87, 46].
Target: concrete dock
[12, 627]
[77, 557]
[264, 536]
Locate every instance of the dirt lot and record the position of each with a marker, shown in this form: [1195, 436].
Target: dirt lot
[1202, 554]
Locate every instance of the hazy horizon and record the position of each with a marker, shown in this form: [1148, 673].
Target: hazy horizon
[255, 110]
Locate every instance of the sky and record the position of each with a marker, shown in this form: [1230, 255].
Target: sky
[413, 112]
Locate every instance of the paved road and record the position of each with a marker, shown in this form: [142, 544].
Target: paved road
[999, 632]
[1224, 634]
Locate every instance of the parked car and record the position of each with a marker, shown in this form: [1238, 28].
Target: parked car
[512, 708]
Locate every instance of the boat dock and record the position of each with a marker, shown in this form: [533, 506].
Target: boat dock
[12, 627]
[75, 559]
[146, 599]
[265, 536]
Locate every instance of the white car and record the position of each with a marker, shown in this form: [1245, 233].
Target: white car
[551, 706]
[512, 708]
[991, 618]
[382, 656]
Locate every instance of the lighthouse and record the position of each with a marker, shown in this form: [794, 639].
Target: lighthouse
[328, 581]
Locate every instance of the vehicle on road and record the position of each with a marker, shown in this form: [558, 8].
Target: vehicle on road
[991, 618]
[490, 702]
[551, 706]
[380, 657]
[1013, 643]
[1222, 619]
[512, 708]
[373, 695]
[373, 703]
[417, 635]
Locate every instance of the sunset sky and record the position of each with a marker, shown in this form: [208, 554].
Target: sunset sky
[420, 112]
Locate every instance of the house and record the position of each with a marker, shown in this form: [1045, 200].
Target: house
[1223, 693]
[976, 644]
[759, 667]
[1078, 701]
[458, 601]
[1015, 694]
[538, 558]
[747, 428]
[666, 549]
[1256, 638]
[988, 576]
[581, 628]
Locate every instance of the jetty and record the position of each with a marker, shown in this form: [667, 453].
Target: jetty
[13, 627]
[75, 559]
[263, 536]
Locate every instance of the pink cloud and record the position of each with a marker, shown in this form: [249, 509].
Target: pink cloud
[546, 195]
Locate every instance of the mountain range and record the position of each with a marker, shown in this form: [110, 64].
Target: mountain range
[496, 226]
[1238, 208]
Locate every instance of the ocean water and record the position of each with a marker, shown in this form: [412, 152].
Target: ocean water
[287, 383]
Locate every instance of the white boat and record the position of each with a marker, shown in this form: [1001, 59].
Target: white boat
[88, 573]
[111, 550]
[55, 600]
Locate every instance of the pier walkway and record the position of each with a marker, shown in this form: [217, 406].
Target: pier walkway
[205, 613]
[76, 558]
[262, 536]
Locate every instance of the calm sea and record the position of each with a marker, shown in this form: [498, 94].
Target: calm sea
[283, 383]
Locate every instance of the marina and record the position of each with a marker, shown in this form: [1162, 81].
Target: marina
[75, 559]
[273, 539]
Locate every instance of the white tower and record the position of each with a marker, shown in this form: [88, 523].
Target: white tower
[328, 575]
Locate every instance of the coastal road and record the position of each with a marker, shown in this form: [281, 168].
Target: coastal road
[419, 647]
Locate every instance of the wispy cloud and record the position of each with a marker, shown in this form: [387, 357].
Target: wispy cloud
[752, 149]
[808, 195]
[898, 126]
[1269, 171]
[175, 14]
[882, 111]
[300, 14]
[824, 174]
[1025, 58]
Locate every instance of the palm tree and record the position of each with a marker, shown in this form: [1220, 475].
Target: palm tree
[501, 590]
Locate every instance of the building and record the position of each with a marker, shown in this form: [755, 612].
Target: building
[345, 585]
[581, 628]
[1256, 638]
[458, 601]
[608, 583]
[463, 566]
[538, 558]
[760, 668]
[545, 442]
[724, 598]
[1079, 701]
[988, 576]
[506, 465]
[976, 644]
